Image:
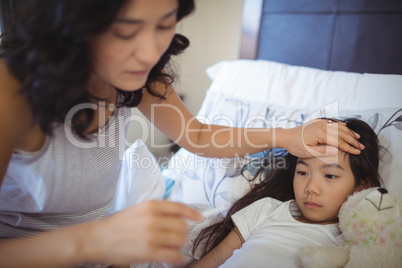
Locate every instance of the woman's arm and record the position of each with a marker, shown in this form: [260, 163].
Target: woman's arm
[173, 118]
[152, 231]
[223, 251]
[48, 249]
[15, 118]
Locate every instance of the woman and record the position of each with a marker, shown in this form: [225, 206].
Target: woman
[68, 75]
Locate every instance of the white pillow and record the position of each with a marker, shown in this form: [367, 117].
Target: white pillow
[215, 182]
[303, 87]
[140, 178]
[219, 182]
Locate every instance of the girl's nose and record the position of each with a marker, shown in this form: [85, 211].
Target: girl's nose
[312, 186]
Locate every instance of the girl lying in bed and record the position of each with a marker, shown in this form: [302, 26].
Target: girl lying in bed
[292, 207]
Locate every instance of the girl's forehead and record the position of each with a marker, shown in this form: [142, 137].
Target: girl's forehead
[340, 160]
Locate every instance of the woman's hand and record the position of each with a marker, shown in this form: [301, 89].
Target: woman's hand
[152, 231]
[320, 137]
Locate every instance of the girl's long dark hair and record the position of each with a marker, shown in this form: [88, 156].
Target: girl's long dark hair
[278, 182]
[48, 52]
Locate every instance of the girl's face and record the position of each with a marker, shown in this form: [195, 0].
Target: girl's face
[321, 185]
[125, 54]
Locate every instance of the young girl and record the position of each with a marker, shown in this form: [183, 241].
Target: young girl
[292, 207]
[69, 73]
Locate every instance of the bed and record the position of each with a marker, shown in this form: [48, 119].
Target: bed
[299, 60]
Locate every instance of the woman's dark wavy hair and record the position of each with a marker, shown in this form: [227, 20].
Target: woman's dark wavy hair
[278, 182]
[48, 52]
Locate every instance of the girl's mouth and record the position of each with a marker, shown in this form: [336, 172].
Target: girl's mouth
[311, 205]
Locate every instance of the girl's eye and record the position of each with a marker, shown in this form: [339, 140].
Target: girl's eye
[330, 176]
[302, 173]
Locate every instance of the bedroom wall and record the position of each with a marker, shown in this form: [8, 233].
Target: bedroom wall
[214, 31]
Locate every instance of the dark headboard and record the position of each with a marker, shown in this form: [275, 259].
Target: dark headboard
[341, 35]
[6, 13]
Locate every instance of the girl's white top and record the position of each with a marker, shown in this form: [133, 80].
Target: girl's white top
[273, 236]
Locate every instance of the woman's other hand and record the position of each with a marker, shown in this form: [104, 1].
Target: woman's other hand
[152, 231]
